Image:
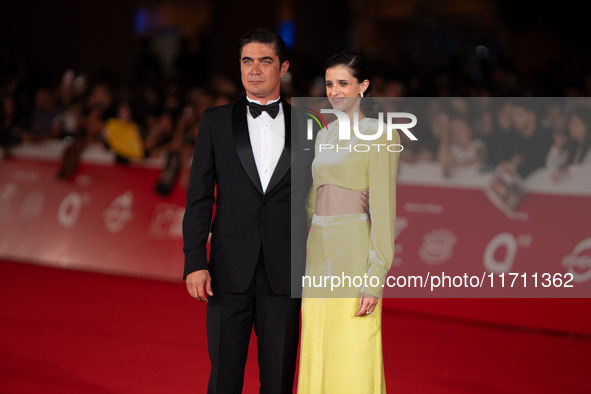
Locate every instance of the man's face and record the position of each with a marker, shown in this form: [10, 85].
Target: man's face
[261, 71]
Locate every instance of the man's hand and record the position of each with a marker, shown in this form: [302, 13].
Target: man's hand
[367, 304]
[199, 284]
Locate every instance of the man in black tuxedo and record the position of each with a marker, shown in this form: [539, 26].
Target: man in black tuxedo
[259, 231]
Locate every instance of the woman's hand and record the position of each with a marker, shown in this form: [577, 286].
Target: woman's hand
[365, 200]
[367, 304]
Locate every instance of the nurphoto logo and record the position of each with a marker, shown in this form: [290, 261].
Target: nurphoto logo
[345, 129]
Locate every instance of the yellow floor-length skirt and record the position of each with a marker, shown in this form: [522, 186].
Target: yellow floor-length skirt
[339, 353]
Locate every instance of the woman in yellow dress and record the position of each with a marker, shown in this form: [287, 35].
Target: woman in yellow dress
[341, 342]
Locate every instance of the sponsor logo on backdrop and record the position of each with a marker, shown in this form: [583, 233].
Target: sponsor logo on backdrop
[437, 247]
[119, 213]
[167, 222]
[579, 264]
[509, 243]
[70, 207]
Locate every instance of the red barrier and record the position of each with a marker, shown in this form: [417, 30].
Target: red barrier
[108, 218]
[466, 247]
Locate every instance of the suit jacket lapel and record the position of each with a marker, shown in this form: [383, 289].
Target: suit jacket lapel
[242, 142]
[286, 157]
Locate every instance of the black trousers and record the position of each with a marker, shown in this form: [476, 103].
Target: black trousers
[230, 318]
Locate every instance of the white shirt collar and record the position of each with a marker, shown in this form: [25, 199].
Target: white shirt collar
[258, 102]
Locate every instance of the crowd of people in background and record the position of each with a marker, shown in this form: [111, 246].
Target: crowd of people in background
[521, 134]
[134, 121]
[156, 118]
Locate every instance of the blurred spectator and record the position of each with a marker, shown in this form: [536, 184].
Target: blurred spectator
[578, 148]
[558, 153]
[439, 127]
[501, 139]
[287, 87]
[149, 107]
[90, 124]
[179, 150]
[43, 120]
[122, 135]
[458, 148]
[429, 136]
[553, 116]
[317, 88]
[222, 85]
[10, 125]
[160, 132]
[534, 140]
[554, 120]
[68, 120]
[99, 108]
[71, 88]
[393, 88]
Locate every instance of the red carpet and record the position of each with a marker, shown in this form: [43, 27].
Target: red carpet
[78, 332]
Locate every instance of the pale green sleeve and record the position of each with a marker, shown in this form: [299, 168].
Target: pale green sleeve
[311, 204]
[382, 170]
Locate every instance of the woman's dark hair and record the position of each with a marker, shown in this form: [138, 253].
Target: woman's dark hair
[359, 69]
[264, 36]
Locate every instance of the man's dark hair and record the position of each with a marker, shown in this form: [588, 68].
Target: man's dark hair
[264, 36]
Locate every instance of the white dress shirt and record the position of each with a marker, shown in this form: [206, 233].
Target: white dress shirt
[267, 138]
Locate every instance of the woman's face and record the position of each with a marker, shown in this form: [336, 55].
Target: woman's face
[576, 128]
[343, 89]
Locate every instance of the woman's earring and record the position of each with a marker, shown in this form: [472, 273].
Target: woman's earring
[361, 94]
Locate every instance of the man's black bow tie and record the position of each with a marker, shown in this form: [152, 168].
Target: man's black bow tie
[256, 109]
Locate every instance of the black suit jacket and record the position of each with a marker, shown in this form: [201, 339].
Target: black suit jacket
[247, 219]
